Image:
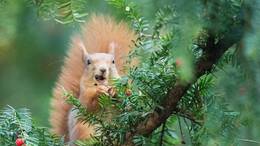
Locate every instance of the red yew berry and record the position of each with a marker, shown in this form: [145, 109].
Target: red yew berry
[178, 62]
[19, 142]
[128, 92]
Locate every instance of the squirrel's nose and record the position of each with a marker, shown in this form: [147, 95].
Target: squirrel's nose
[103, 70]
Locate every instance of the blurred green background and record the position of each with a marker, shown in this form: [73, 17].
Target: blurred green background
[32, 51]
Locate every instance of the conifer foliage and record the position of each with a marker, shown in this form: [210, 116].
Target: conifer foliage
[16, 127]
[170, 97]
[165, 94]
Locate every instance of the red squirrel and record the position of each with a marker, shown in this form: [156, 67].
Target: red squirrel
[92, 61]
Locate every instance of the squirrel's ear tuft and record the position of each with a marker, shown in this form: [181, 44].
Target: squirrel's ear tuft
[84, 52]
[112, 47]
[77, 42]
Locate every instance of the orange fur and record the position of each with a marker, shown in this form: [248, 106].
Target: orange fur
[101, 31]
[97, 34]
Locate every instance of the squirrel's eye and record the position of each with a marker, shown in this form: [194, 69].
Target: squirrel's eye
[88, 61]
[113, 61]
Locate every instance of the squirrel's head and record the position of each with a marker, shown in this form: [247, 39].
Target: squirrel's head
[100, 67]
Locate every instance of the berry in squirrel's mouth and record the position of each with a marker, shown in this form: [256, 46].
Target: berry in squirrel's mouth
[99, 78]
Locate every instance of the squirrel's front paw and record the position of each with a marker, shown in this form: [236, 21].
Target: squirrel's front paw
[112, 91]
[107, 90]
[101, 89]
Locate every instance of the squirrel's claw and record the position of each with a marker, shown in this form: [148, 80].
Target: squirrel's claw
[107, 90]
[112, 91]
[101, 89]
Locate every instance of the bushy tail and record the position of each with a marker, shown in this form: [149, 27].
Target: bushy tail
[68, 81]
[97, 35]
